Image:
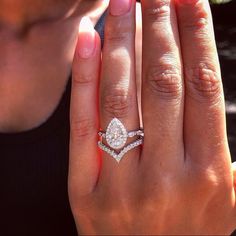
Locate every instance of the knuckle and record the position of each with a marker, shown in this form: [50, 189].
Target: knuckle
[80, 78]
[208, 183]
[199, 17]
[196, 25]
[203, 83]
[209, 180]
[157, 10]
[118, 58]
[163, 186]
[165, 81]
[117, 102]
[162, 193]
[118, 33]
[81, 128]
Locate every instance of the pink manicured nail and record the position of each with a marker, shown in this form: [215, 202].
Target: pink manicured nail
[86, 40]
[119, 7]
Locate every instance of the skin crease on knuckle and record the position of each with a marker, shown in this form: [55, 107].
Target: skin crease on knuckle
[157, 206]
[85, 79]
[118, 32]
[200, 20]
[170, 208]
[158, 10]
[117, 102]
[165, 82]
[203, 84]
[82, 128]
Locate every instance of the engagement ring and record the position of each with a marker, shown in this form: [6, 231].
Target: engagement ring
[116, 137]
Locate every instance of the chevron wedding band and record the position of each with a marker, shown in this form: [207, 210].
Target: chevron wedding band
[116, 137]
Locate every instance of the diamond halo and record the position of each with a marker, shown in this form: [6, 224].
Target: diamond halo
[116, 137]
[116, 134]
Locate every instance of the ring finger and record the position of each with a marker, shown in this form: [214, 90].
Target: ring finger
[118, 97]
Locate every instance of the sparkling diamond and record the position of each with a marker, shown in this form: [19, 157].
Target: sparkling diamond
[116, 134]
[118, 156]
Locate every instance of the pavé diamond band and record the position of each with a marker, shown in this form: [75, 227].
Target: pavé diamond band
[116, 137]
[130, 134]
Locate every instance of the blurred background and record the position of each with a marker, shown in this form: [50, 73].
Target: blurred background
[224, 16]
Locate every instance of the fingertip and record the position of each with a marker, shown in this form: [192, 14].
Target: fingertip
[86, 39]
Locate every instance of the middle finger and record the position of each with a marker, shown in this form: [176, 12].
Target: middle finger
[163, 93]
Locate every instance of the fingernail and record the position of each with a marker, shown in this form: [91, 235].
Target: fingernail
[86, 40]
[120, 7]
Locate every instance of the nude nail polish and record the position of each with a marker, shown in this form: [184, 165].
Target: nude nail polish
[120, 7]
[86, 40]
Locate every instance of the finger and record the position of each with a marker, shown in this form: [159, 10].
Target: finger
[118, 96]
[205, 131]
[233, 165]
[84, 158]
[233, 171]
[162, 95]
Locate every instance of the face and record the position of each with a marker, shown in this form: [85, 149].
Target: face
[13, 11]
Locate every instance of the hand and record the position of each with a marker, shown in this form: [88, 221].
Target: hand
[181, 180]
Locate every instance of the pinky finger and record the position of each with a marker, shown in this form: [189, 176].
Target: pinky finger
[84, 158]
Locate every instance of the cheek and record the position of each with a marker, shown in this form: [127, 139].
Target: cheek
[59, 7]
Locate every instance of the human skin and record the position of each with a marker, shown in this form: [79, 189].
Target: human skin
[181, 180]
[37, 34]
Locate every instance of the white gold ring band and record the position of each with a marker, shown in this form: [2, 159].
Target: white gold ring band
[116, 137]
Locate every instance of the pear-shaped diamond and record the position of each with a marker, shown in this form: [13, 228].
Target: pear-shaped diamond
[116, 134]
